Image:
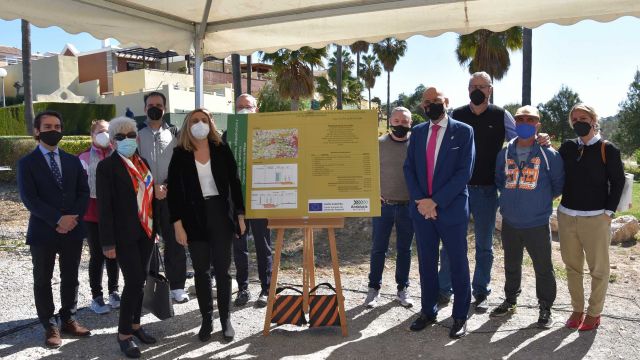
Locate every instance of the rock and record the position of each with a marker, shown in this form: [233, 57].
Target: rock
[624, 228]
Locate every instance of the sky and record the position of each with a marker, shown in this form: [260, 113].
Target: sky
[596, 60]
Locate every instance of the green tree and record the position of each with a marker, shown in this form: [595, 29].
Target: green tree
[555, 113]
[628, 136]
[512, 107]
[389, 51]
[370, 69]
[294, 74]
[327, 87]
[269, 99]
[359, 47]
[485, 50]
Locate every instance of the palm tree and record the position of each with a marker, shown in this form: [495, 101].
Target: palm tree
[526, 65]
[26, 76]
[485, 50]
[389, 51]
[294, 74]
[358, 48]
[370, 70]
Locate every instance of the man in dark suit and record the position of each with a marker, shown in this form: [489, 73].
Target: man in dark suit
[437, 169]
[53, 187]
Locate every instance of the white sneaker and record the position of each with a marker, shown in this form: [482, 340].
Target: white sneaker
[179, 296]
[373, 296]
[114, 300]
[98, 306]
[404, 299]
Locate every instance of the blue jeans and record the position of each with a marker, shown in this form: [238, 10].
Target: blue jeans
[382, 225]
[483, 203]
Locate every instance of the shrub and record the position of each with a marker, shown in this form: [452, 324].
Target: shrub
[635, 170]
[417, 119]
[12, 148]
[77, 117]
[637, 156]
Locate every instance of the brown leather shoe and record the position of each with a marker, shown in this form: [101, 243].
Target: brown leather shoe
[74, 328]
[52, 337]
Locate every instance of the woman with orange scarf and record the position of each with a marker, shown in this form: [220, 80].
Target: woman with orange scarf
[124, 187]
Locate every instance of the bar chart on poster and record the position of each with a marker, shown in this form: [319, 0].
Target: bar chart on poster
[307, 164]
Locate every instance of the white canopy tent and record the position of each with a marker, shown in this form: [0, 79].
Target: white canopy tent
[223, 27]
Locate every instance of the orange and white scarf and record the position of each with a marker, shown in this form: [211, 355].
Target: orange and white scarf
[143, 186]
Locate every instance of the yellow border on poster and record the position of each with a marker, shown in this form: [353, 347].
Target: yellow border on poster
[313, 164]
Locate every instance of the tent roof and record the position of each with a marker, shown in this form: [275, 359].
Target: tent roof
[245, 26]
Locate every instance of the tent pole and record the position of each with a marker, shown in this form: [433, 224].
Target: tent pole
[197, 74]
[198, 43]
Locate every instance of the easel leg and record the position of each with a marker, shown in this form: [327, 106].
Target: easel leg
[312, 261]
[336, 275]
[274, 281]
[305, 269]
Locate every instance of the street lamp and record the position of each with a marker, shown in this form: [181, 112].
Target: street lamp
[3, 73]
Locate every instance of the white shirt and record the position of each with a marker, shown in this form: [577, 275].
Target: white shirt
[207, 182]
[443, 128]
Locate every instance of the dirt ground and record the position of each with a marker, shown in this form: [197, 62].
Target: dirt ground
[383, 331]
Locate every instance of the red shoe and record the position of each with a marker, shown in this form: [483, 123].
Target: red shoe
[577, 323]
[588, 327]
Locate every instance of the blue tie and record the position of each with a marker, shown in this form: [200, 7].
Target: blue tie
[55, 169]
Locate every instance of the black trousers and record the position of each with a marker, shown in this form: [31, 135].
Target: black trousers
[97, 262]
[43, 258]
[214, 249]
[133, 255]
[175, 257]
[537, 241]
[262, 240]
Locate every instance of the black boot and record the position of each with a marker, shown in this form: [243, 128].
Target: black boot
[227, 329]
[206, 329]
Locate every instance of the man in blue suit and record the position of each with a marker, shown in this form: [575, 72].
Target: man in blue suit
[54, 188]
[437, 169]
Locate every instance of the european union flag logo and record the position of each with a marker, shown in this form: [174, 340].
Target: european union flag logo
[315, 207]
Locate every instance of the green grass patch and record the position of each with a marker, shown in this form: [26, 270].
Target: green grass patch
[561, 271]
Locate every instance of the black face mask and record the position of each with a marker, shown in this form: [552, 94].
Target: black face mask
[581, 128]
[434, 111]
[154, 113]
[400, 131]
[51, 137]
[477, 97]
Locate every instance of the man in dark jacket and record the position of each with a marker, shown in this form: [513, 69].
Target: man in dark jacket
[53, 187]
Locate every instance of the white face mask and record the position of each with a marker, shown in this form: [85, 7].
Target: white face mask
[200, 130]
[245, 111]
[102, 140]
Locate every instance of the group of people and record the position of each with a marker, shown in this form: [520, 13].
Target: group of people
[135, 185]
[438, 174]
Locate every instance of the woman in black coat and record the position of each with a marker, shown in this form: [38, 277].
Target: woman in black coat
[207, 210]
[124, 190]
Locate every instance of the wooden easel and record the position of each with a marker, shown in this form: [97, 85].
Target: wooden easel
[308, 262]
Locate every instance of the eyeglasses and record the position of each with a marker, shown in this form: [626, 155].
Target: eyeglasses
[481, 87]
[120, 137]
[580, 152]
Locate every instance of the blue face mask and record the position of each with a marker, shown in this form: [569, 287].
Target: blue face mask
[127, 147]
[525, 131]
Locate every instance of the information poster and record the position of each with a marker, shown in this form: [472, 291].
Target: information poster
[308, 164]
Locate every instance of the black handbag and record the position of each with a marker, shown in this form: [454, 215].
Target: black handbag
[323, 309]
[287, 309]
[157, 292]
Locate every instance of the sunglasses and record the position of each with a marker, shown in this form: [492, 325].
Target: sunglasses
[580, 152]
[120, 137]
